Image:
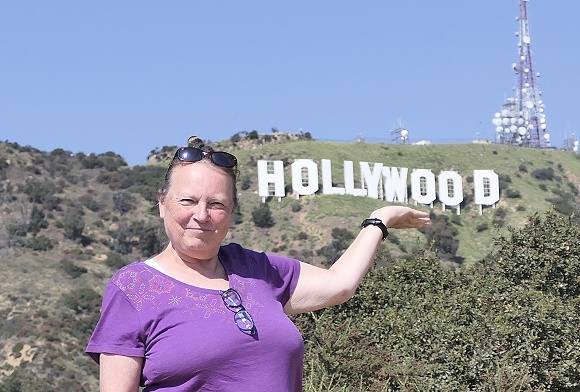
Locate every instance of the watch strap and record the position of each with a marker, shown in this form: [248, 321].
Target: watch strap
[376, 222]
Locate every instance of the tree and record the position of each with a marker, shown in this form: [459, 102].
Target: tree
[262, 216]
[37, 221]
[74, 224]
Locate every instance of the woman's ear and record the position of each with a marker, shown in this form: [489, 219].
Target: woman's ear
[161, 203]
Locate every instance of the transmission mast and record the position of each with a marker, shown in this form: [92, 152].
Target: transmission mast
[521, 120]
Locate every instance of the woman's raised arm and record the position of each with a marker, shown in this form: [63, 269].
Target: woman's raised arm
[319, 287]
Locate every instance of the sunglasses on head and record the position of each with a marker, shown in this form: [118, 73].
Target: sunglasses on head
[192, 154]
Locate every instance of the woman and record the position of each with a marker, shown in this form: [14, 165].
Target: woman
[200, 316]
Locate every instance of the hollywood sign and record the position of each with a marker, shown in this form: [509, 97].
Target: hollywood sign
[378, 182]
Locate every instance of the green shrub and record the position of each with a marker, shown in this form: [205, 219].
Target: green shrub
[508, 322]
[115, 260]
[544, 174]
[262, 216]
[39, 243]
[72, 269]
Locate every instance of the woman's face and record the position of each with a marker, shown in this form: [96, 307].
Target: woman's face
[197, 209]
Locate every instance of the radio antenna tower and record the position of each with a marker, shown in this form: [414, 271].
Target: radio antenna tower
[521, 120]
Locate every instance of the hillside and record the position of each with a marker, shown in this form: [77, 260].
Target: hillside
[68, 221]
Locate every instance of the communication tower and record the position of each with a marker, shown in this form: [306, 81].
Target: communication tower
[400, 135]
[521, 120]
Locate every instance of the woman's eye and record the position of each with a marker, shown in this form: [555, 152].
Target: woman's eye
[187, 201]
[217, 205]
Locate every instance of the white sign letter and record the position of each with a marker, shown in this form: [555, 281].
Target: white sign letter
[327, 187]
[349, 181]
[450, 189]
[423, 186]
[275, 176]
[395, 185]
[299, 175]
[372, 179]
[486, 187]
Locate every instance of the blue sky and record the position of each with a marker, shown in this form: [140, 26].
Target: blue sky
[131, 76]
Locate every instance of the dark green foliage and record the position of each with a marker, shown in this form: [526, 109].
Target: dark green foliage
[22, 380]
[543, 174]
[89, 201]
[499, 216]
[562, 205]
[296, 206]
[39, 243]
[302, 236]
[262, 216]
[37, 220]
[84, 300]
[246, 182]
[146, 180]
[341, 239]
[123, 202]
[72, 269]
[547, 253]
[253, 135]
[504, 180]
[141, 235]
[481, 227]
[16, 229]
[523, 168]
[508, 323]
[115, 260]
[109, 161]
[512, 193]
[73, 223]
[41, 192]
[146, 237]
[441, 235]
[238, 216]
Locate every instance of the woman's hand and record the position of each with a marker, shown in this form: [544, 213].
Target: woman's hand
[401, 217]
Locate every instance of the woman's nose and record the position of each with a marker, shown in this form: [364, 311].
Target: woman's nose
[201, 212]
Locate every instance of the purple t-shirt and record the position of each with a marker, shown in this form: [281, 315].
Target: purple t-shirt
[187, 336]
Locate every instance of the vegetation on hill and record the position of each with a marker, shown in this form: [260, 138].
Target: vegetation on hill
[475, 301]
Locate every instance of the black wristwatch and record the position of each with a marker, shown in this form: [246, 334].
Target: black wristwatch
[376, 222]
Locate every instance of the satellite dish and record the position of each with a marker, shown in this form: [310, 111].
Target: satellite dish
[505, 121]
[542, 119]
[499, 129]
[497, 114]
[513, 120]
[496, 121]
[547, 136]
[520, 121]
[513, 128]
[529, 104]
[543, 126]
[526, 39]
[522, 131]
[404, 132]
